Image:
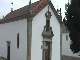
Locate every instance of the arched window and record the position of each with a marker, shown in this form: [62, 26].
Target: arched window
[18, 40]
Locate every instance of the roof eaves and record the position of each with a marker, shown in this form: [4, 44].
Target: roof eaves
[20, 9]
[40, 9]
[13, 19]
[55, 12]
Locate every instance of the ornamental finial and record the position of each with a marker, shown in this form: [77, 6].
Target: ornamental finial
[30, 2]
[12, 6]
[29, 7]
[48, 14]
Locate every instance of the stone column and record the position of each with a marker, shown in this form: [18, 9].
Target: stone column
[29, 37]
[29, 31]
[60, 41]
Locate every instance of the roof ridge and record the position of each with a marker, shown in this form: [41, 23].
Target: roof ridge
[40, 5]
[55, 12]
[24, 6]
[22, 12]
[19, 10]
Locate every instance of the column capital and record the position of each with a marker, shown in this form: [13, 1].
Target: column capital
[48, 34]
[8, 43]
[29, 19]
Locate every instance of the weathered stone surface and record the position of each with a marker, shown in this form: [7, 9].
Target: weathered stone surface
[63, 57]
[2, 58]
[29, 38]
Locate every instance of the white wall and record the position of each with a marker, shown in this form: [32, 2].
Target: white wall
[38, 24]
[66, 46]
[8, 32]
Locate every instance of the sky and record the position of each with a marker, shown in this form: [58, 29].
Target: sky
[5, 5]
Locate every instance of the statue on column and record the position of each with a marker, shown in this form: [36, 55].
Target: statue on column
[47, 37]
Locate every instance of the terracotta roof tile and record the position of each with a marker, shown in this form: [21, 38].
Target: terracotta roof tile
[19, 12]
[24, 10]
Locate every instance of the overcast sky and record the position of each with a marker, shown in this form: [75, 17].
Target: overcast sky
[5, 5]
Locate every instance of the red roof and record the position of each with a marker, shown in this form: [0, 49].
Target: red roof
[19, 12]
[35, 7]
[40, 5]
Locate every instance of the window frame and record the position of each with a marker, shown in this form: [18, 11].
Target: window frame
[66, 38]
[18, 40]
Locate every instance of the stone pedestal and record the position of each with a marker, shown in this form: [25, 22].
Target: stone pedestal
[47, 44]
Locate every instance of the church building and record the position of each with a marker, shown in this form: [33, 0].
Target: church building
[32, 32]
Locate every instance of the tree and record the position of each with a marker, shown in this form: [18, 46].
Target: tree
[72, 22]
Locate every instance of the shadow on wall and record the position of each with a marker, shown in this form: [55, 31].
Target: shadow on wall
[64, 57]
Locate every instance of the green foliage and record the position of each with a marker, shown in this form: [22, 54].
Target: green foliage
[72, 22]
